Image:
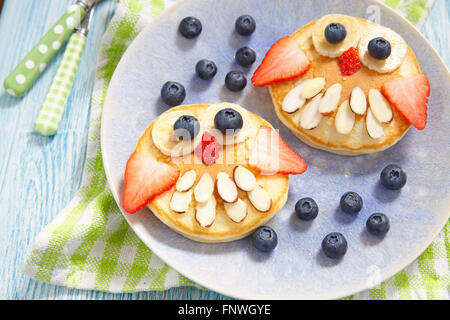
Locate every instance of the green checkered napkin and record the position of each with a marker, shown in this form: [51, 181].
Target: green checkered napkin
[89, 245]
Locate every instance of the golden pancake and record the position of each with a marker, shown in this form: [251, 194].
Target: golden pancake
[232, 154]
[349, 135]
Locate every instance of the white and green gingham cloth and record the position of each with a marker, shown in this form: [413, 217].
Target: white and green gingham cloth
[89, 245]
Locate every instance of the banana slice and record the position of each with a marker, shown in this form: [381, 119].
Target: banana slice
[162, 135]
[398, 49]
[323, 47]
[207, 120]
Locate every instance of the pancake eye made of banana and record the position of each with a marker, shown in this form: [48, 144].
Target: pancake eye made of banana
[381, 49]
[176, 133]
[334, 34]
[227, 122]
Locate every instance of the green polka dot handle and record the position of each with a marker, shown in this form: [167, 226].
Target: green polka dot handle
[35, 62]
[52, 109]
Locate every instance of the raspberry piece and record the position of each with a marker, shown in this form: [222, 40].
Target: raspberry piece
[209, 149]
[349, 62]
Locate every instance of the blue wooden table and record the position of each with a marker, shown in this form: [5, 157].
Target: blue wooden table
[39, 175]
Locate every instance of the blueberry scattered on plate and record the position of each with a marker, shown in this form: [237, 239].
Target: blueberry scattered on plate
[265, 239]
[378, 224]
[190, 27]
[206, 69]
[173, 93]
[379, 48]
[235, 81]
[334, 245]
[306, 209]
[228, 121]
[335, 32]
[245, 25]
[393, 177]
[245, 56]
[351, 202]
[186, 128]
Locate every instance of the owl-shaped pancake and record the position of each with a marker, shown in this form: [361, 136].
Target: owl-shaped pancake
[345, 85]
[212, 173]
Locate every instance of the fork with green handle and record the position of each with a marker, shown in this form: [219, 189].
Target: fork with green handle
[35, 62]
[52, 109]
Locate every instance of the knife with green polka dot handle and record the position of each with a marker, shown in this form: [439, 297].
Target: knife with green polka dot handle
[35, 62]
[52, 109]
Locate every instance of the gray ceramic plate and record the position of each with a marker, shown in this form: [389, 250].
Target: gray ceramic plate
[296, 269]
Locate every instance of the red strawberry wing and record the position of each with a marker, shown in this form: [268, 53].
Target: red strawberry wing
[145, 178]
[284, 61]
[410, 98]
[272, 155]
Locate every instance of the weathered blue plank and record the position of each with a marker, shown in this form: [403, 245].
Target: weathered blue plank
[38, 175]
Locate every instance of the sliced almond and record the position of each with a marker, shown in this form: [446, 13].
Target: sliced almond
[345, 118]
[293, 100]
[244, 178]
[313, 87]
[180, 201]
[260, 199]
[381, 108]
[310, 116]
[186, 181]
[226, 188]
[374, 127]
[205, 212]
[358, 101]
[204, 188]
[236, 211]
[330, 100]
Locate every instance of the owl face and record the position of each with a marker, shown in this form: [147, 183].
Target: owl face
[345, 84]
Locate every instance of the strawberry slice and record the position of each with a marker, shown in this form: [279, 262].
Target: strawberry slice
[349, 62]
[209, 149]
[145, 178]
[284, 61]
[410, 97]
[271, 154]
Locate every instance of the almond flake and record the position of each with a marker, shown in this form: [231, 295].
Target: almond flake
[313, 87]
[381, 108]
[204, 188]
[373, 126]
[205, 212]
[186, 181]
[358, 101]
[180, 201]
[260, 199]
[236, 211]
[293, 100]
[330, 100]
[244, 178]
[310, 116]
[345, 118]
[226, 188]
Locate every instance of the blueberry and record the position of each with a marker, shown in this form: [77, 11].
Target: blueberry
[235, 81]
[379, 48]
[265, 239]
[378, 224]
[306, 209]
[186, 128]
[334, 245]
[190, 27]
[228, 121]
[245, 25]
[335, 32]
[245, 56]
[173, 93]
[351, 202]
[206, 69]
[393, 177]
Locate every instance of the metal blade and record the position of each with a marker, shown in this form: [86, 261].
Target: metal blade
[85, 23]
